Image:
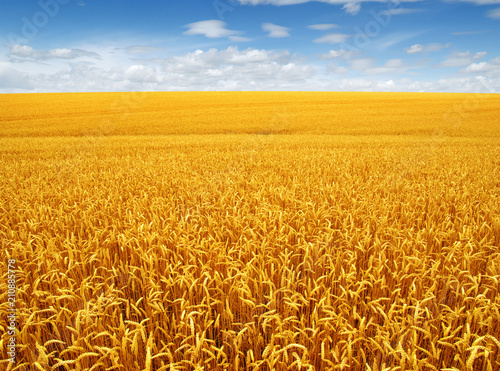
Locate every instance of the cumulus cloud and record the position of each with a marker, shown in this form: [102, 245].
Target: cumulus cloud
[25, 51]
[236, 69]
[477, 67]
[332, 38]
[22, 50]
[419, 48]
[275, 30]
[491, 68]
[240, 69]
[264, 75]
[232, 56]
[212, 29]
[212, 69]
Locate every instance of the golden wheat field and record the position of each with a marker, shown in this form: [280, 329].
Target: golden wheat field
[251, 231]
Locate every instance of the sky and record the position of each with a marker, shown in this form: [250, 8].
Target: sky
[298, 45]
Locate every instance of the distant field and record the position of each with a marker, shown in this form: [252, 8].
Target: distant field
[251, 231]
[249, 112]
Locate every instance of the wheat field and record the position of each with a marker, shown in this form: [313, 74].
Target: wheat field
[251, 231]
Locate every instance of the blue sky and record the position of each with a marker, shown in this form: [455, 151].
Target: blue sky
[176, 45]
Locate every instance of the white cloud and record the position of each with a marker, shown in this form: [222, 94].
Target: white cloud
[25, 51]
[464, 85]
[491, 68]
[419, 48]
[352, 8]
[61, 53]
[11, 78]
[215, 69]
[140, 73]
[414, 49]
[477, 67]
[367, 66]
[356, 84]
[362, 64]
[233, 69]
[211, 29]
[322, 27]
[212, 69]
[236, 57]
[336, 70]
[332, 38]
[394, 63]
[462, 59]
[494, 13]
[141, 49]
[275, 30]
[213, 58]
[239, 39]
[341, 53]
[22, 50]
[403, 11]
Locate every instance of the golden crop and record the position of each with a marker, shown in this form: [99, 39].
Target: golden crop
[252, 231]
[139, 113]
